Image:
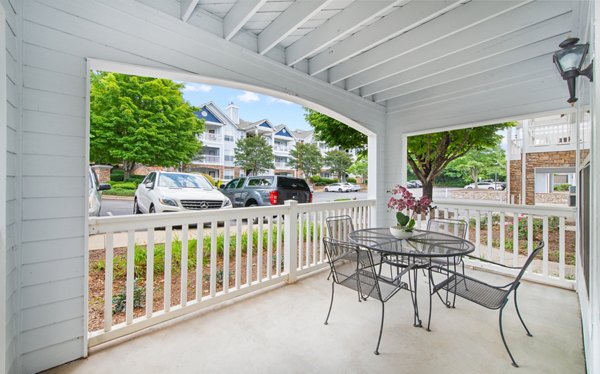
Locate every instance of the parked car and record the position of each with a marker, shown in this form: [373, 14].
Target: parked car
[482, 186]
[415, 182]
[163, 192]
[338, 187]
[95, 194]
[263, 190]
[353, 187]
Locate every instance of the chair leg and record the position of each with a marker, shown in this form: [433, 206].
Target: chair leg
[514, 363]
[380, 328]
[331, 302]
[519, 314]
[430, 301]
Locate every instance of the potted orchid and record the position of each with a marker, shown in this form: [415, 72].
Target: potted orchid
[406, 207]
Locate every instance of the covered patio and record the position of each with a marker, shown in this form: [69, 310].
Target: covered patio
[282, 329]
[388, 68]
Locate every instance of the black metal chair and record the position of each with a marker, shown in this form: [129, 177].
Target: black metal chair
[363, 278]
[339, 227]
[455, 227]
[486, 295]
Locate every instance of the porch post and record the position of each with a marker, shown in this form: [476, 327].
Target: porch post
[3, 165]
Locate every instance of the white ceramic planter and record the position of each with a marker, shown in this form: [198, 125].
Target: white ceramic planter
[400, 233]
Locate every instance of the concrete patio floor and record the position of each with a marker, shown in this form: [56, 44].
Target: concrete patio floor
[282, 330]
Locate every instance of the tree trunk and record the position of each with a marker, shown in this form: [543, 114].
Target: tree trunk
[428, 189]
[127, 169]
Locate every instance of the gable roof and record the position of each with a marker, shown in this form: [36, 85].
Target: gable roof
[303, 134]
[211, 113]
[282, 130]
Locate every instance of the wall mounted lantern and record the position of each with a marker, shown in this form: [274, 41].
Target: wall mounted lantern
[569, 60]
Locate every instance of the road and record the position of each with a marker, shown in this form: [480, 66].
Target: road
[112, 207]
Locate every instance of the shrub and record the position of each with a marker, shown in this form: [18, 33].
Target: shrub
[351, 180]
[119, 192]
[117, 175]
[119, 300]
[136, 178]
[315, 179]
[562, 187]
[124, 185]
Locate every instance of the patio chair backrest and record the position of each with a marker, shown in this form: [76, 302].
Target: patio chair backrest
[339, 253]
[339, 227]
[528, 262]
[456, 227]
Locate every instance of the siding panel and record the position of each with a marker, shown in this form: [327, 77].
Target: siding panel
[52, 356]
[52, 145]
[62, 207]
[52, 60]
[52, 102]
[47, 336]
[36, 165]
[53, 271]
[52, 250]
[46, 314]
[52, 229]
[51, 292]
[54, 187]
[54, 82]
[50, 123]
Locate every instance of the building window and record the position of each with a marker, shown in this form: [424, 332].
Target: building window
[228, 158]
[228, 138]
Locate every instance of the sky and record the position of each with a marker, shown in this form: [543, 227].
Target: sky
[253, 106]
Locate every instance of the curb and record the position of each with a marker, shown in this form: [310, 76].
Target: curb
[113, 197]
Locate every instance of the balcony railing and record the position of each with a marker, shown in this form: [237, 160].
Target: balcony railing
[211, 137]
[210, 159]
[508, 233]
[281, 165]
[229, 253]
[281, 148]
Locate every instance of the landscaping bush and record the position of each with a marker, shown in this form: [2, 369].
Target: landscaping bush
[129, 185]
[351, 180]
[563, 187]
[136, 178]
[119, 192]
[117, 175]
[315, 179]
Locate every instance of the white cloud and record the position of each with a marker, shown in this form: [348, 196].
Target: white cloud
[248, 97]
[195, 87]
[280, 101]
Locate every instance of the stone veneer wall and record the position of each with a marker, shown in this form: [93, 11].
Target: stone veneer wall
[537, 160]
[479, 195]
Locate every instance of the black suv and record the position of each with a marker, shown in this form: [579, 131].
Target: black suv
[264, 190]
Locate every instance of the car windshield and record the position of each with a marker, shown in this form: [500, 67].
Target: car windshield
[174, 180]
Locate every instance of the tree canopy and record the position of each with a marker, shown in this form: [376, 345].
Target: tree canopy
[254, 154]
[141, 120]
[339, 162]
[335, 133]
[360, 167]
[428, 154]
[306, 157]
[487, 163]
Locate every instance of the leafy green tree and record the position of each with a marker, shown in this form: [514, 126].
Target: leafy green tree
[360, 167]
[339, 162]
[335, 133]
[254, 154]
[487, 163]
[306, 157]
[141, 120]
[428, 155]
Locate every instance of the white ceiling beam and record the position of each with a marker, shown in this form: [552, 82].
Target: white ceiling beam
[441, 28]
[531, 69]
[405, 18]
[288, 21]
[467, 70]
[342, 24]
[187, 9]
[503, 24]
[239, 14]
[506, 43]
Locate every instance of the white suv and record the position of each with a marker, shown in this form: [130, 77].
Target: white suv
[177, 192]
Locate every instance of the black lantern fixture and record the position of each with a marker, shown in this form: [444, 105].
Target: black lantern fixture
[569, 60]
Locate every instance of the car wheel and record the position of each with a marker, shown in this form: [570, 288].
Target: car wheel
[339, 190]
[136, 208]
[152, 210]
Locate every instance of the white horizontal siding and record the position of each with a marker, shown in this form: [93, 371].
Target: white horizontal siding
[48, 229]
[51, 123]
[58, 249]
[53, 207]
[52, 145]
[43, 165]
[73, 187]
[47, 293]
[51, 356]
[46, 336]
[51, 271]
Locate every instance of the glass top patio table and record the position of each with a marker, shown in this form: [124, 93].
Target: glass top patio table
[423, 243]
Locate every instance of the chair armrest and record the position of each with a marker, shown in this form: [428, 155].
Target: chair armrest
[453, 274]
[493, 262]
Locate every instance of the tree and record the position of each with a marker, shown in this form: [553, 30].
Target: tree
[306, 157]
[487, 163]
[328, 130]
[360, 167]
[428, 155]
[254, 155]
[339, 162]
[141, 120]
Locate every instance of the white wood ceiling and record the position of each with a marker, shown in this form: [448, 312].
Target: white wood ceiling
[397, 53]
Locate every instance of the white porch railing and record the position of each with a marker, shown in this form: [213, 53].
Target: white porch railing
[207, 136]
[281, 165]
[510, 246]
[229, 253]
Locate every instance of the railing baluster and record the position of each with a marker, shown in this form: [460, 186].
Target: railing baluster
[259, 251]
[150, 273]
[213, 258]
[199, 258]
[308, 239]
[226, 254]
[477, 233]
[468, 217]
[529, 234]
[546, 245]
[490, 234]
[502, 236]
[300, 240]
[515, 238]
[167, 282]
[270, 247]
[250, 244]
[184, 264]
[321, 234]
[108, 281]
[238, 254]
[315, 237]
[130, 277]
[561, 248]
[278, 250]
